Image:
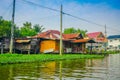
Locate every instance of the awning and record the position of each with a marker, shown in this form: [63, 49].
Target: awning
[22, 41]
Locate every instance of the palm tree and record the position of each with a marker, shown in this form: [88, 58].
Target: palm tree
[38, 28]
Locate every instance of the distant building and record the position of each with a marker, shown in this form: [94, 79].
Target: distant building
[114, 42]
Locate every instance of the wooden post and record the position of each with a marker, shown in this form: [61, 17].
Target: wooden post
[61, 30]
[91, 49]
[105, 38]
[12, 28]
[28, 51]
[2, 48]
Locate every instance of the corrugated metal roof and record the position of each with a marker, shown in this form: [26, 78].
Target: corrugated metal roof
[54, 34]
[83, 41]
[97, 36]
[113, 37]
[93, 35]
[50, 34]
[70, 36]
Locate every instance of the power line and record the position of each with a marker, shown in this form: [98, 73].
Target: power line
[41, 6]
[35, 4]
[83, 19]
[8, 9]
[63, 13]
[112, 29]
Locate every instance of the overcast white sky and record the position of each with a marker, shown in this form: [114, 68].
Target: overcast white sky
[98, 11]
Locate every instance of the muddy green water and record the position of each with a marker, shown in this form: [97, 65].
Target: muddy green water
[107, 68]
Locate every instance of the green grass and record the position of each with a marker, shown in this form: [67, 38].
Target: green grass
[113, 52]
[22, 58]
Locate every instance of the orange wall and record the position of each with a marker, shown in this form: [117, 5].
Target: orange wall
[49, 44]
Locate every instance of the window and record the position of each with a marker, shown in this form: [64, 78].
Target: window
[111, 46]
[119, 46]
[110, 40]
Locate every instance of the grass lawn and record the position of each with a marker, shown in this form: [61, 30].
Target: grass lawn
[21, 58]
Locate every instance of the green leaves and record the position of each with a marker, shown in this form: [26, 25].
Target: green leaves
[70, 30]
[73, 30]
[28, 30]
[38, 28]
[24, 31]
[5, 28]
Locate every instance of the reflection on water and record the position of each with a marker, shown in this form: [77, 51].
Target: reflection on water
[107, 68]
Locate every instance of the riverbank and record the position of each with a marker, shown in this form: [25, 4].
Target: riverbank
[22, 58]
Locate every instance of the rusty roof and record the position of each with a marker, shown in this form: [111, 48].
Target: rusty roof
[93, 34]
[50, 34]
[83, 41]
[54, 34]
[97, 36]
[71, 36]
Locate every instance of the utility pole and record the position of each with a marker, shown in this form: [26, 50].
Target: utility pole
[12, 28]
[105, 37]
[61, 30]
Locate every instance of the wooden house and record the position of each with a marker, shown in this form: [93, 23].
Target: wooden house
[81, 45]
[77, 43]
[47, 46]
[50, 42]
[27, 45]
[72, 43]
[99, 38]
[71, 46]
[4, 44]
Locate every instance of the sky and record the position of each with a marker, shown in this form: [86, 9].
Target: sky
[102, 12]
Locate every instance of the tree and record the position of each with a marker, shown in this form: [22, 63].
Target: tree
[27, 25]
[69, 30]
[5, 28]
[27, 30]
[73, 30]
[83, 32]
[17, 32]
[38, 28]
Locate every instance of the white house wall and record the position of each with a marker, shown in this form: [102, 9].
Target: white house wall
[112, 43]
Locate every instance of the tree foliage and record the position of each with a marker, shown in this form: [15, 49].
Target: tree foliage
[5, 28]
[38, 28]
[73, 30]
[70, 30]
[25, 30]
[28, 30]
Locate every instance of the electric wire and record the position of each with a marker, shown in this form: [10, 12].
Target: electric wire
[41, 6]
[35, 4]
[8, 10]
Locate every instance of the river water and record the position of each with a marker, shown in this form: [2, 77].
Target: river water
[107, 68]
